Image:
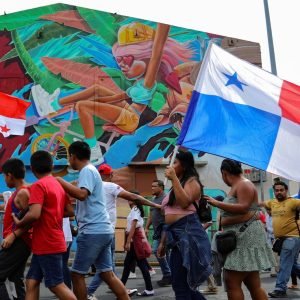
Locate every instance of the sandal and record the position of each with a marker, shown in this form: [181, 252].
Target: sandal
[293, 287]
[146, 293]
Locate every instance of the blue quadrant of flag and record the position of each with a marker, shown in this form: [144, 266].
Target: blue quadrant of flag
[217, 126]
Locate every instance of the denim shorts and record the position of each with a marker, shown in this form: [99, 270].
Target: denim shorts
[93, 249]
[49, 267]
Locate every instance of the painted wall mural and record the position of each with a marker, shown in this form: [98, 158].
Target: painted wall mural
[121, 84]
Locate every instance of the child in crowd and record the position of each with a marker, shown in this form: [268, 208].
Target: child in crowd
[48, 204]
[17, 242]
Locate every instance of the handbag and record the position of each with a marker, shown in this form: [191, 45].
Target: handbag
[277, 246]
[74, 228]
[141, 246]
[226, 241]
[203, 211]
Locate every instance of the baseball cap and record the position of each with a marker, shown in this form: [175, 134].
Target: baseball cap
[105, 169]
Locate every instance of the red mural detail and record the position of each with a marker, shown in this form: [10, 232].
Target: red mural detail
[79, 73]
[9, 144]
[12, 73]
[69, 18]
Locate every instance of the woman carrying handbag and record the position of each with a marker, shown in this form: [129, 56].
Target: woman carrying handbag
[138, 248]
[244, 238]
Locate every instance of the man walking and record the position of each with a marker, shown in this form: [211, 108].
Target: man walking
[284, 210]
[95, 230]
[158, 221]
[111, 192]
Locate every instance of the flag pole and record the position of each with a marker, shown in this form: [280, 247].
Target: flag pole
[172, 161]
[273, 67]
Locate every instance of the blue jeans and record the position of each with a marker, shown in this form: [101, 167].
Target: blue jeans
[163, 262]
[179, 278]
[288, 258]
[48, 267]
[93, 249]
[96, 281]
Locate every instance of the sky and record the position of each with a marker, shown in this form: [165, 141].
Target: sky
[244, 19]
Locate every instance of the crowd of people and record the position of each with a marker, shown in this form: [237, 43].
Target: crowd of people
[37, 221]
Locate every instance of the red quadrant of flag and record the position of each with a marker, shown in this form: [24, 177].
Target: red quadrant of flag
[289, 101]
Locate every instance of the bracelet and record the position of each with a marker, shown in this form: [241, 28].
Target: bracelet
[14, 234]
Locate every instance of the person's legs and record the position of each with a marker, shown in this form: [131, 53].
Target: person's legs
[179, 278]
[12, 266]
[252, 282]
[32, 289]
[51, 266]
[142, 264]
[289, 251]
[163, 263]
[18, 279]
[233, 283]
[66, 270]
[3, 291]
[128, 262]
[115, 285]
[85, 257]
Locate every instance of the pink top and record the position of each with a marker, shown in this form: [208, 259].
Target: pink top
[176, 209]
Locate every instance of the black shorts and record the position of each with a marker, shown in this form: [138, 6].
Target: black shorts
[13, 259]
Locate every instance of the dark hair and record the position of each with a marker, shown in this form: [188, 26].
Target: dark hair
[15, 167]
[231, 166]
[187, 162]
[159, 183]
[138, 205]
[41, 162]
[81, 149]
[280, 183]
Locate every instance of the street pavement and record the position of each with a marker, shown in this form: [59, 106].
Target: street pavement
[166, 293]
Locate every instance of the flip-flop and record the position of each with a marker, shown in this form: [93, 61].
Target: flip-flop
[293, 287]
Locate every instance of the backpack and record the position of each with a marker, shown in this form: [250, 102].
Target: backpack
[203, 211]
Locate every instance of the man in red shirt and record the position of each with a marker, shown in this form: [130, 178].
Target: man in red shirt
[17, 242]
[48, 204]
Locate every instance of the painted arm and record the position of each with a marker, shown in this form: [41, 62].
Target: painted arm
[31, 216]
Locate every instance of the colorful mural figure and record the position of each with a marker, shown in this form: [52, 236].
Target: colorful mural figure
[121, 84]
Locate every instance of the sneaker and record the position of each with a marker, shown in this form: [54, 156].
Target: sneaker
[92, 297]
[96, 155]
[131, 292]
[132, 275]
[146, 293]
[210, 291]
[43, 100]
[278, 294]
[165, 281]
[152, 272]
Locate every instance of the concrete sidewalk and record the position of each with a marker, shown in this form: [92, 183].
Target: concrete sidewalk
[167, 293]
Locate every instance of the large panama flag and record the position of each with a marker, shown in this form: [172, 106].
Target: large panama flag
[12, 115]
[240, 111]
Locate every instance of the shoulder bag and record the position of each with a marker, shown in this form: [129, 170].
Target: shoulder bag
[226, 241]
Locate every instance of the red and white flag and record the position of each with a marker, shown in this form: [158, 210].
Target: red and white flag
[12, 115]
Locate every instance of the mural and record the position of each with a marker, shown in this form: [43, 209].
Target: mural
[121, 84]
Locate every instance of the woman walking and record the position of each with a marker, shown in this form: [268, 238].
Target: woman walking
[252, 253]
[138, 248]
[190, 248]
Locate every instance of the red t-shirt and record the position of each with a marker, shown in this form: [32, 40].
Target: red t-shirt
[8, 222]
[48, 236]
